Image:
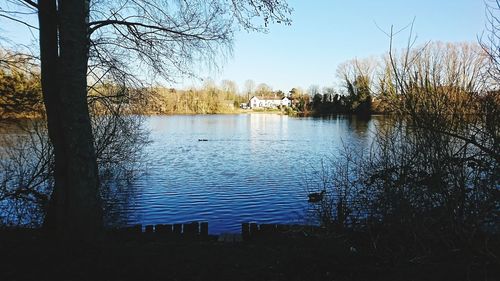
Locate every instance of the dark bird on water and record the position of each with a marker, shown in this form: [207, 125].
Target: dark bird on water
[316, 196]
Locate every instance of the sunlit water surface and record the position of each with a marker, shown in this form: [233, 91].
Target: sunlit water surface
[253, 167]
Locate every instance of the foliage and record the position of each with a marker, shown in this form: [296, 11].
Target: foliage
[208, 100]
[20, 92]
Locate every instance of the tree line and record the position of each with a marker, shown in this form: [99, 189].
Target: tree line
[206, 100]
[365, 86]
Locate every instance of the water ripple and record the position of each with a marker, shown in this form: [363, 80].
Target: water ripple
[251, 168]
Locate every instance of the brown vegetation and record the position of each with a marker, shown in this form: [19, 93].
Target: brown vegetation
[208, 100]
[430, 182]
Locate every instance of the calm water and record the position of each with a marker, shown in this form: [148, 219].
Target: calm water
[255, 167]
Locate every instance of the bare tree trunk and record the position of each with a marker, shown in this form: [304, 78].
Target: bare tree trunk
[75, 208]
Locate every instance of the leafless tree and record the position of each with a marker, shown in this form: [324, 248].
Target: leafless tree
[432, 175]
[27, 160]
[249, 88]
[116, 37]
[490, 42]
[263, 89]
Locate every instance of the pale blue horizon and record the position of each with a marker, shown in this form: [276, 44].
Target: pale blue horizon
[326, 33]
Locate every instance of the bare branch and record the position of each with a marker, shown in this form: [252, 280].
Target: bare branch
[99, 24]
[19, 21]
[30, 3]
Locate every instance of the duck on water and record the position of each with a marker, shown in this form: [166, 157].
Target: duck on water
[316, 196]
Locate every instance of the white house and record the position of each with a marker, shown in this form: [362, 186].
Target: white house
[268, 102]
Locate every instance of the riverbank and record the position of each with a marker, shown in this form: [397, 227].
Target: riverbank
[226, 112]
[285, 111]
[290, 112]
[28, 256]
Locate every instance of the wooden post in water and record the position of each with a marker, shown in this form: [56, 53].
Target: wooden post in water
[245, 231]
[163, 230]
[149, 229]
[135, 229]
[178, 229]
[268, 230]
[204, 230]
[191, 230]
[254, 230]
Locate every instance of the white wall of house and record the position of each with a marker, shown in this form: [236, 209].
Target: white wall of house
[286, 101]
[255, 102]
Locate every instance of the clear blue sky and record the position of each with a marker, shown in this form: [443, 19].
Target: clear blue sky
[325, 33]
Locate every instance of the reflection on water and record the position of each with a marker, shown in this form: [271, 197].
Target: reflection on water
[252, 167]
[359, 124]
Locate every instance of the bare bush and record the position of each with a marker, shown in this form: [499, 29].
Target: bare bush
[26, 159]
[25, 165]
[431, 179]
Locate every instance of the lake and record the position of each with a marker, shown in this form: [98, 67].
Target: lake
[229, 169]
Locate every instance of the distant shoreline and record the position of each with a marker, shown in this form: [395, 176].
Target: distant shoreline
[276, 112]
[13, 119]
